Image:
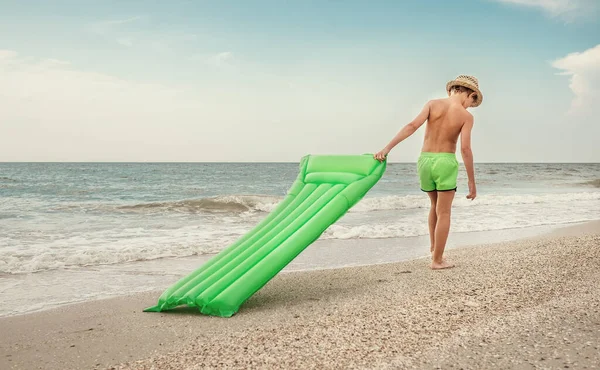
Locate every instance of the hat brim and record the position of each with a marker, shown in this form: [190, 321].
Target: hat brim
[477, 102]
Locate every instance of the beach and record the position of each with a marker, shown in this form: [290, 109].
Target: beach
[531, 303]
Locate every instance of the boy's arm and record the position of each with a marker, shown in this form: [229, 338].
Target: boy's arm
[406, 131]
[467, 155]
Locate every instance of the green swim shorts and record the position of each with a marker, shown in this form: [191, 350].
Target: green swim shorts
[437, 171]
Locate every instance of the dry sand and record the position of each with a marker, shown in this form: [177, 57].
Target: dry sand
[528, 304]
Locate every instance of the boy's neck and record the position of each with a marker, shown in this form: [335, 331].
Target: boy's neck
[459, 98]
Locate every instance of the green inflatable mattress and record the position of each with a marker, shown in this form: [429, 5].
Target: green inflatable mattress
[326, 188]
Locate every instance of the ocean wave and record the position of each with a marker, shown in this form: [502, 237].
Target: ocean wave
[241, 204]
[407, 229]
[115, 247]
[26, 252]
[400, 202]
[594, 183]
[226, 203]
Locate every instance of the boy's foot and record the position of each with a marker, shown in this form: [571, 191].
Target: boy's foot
[443, 258]
[441, 265]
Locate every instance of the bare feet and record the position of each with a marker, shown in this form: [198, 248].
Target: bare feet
[441, 265]
[443, 258]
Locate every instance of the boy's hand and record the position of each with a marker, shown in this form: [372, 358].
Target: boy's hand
[381, 155]
[472, 191]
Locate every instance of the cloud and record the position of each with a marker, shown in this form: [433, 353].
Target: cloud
[138, 31]
[51, 88]
[117, 29]
[125, 41]
[566, 9]
[584, 70]
[52, 111]
[219, 60]
[123, 21]
[104, 27]
[7, 54]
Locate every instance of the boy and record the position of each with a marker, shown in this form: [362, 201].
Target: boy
[447, 119]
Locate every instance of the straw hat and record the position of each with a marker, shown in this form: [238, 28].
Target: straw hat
[469, 82]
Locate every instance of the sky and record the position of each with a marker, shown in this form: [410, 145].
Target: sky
[272, 80]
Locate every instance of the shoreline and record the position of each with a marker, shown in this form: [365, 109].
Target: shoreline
[393, 315]
[57, 288]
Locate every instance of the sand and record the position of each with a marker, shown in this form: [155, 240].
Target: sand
[527, 304]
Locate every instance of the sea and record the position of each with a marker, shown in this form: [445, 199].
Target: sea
[71, 232]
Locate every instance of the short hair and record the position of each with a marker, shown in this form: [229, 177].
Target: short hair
[460, 89]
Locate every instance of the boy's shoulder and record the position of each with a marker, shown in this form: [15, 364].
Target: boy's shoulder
[437, 105]
[438, 101]
[445, 106]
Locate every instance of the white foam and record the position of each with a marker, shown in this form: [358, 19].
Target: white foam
[399, 202]
[493, 213]
[403, 230]
[115, 246]
[46, 247]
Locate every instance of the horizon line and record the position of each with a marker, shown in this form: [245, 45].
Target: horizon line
[246, 162]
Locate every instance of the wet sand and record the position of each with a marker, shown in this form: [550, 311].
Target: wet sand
[533, 303]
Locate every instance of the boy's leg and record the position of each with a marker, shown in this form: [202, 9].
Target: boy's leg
[432, 218]
[443, 210]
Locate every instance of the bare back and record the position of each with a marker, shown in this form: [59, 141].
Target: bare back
[444, 124]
